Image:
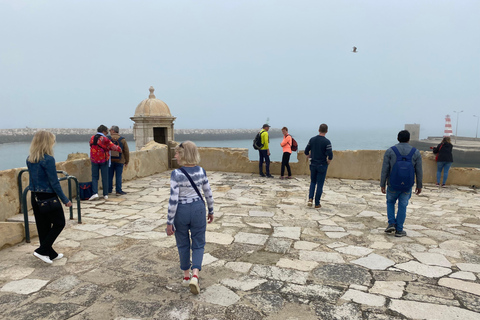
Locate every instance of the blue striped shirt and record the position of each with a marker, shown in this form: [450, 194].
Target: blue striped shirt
[181, 191]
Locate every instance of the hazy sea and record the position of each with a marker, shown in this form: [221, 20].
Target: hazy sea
[13, 155]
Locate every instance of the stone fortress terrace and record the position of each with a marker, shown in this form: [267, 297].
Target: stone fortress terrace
[268, 256]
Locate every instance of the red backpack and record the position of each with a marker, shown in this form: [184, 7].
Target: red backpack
[294, 144]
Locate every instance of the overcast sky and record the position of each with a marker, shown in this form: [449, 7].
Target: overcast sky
[233, 64]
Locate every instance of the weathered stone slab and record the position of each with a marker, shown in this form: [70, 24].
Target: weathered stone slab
[287, 232]
[424, 270]
[305, 245]
[16, 273]
[346, 311]
[25, 286]
[219, 295]
[433, 259]
[297, 264]
[242, 267]
[382, 245]
[430, 311]
[374, 262]
[342, 273]
[330, 257]
[369, 214]
[267, 214]
[312, 292]
[243, 283]
[392, 289]
[278, 245]
[364, 298]
[219, 238]
[472, 267]
[336, 235]
[355, 251]
[251, 238]
[281, 274]
[464, 275]
[470, 287]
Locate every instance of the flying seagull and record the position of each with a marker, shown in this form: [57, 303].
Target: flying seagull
[354, 50]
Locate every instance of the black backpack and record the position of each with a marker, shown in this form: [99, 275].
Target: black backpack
[257, 142]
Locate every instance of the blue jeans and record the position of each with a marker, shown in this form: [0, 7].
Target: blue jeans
[103, 167]
[402, 197]
[117, 170]
[264, 157]
[190, 216]
[317, 179]
[445, 166]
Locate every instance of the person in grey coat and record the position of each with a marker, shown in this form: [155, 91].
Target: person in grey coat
[395, 223]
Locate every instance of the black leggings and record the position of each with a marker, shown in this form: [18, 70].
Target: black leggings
[49, 225]
[285, 160]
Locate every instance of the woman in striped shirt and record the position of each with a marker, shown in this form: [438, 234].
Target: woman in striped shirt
[186, 211]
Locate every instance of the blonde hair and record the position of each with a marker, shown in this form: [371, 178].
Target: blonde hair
[42, 143]
[188, 153]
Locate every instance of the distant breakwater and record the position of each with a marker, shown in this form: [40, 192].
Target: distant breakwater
[78, 135]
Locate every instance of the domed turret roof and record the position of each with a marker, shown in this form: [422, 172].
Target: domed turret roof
[152, 107]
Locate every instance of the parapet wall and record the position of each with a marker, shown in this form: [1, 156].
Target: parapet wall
[143, 163]
[356, 164]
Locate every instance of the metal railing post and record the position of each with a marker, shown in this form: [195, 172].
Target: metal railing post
[23, 200]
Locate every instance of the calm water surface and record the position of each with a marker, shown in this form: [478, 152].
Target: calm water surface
[13, 155]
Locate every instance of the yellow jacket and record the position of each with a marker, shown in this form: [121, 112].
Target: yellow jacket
[265, 140]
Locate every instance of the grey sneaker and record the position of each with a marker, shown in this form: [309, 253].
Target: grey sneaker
[390, 228]
[400, 233]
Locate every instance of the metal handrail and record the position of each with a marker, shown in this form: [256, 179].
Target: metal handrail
[23, 199]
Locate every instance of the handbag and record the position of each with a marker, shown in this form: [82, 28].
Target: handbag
[438, 153]
[48, 205]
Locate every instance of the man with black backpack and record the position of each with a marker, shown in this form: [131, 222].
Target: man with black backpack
[401, 164]
[263, 150]
[119, 160]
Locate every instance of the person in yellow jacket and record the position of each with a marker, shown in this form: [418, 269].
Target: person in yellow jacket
[264, 152]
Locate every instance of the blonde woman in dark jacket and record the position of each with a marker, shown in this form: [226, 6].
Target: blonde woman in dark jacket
[44, 185]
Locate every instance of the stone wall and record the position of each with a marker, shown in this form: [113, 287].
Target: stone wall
[152, 159]
[356, 164]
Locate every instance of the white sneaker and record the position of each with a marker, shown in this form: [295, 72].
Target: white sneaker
[194, 285]
[43, 258]
[105, 197]
[186, 281]
[93, 197]
[60, 256]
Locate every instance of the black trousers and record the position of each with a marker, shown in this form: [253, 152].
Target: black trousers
[49, 225]
[264, 157]
[285, 163]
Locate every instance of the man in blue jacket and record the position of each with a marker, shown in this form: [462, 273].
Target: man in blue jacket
[389, 160]
[319, 150]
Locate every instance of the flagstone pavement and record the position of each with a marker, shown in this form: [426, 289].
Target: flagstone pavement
[268, 256]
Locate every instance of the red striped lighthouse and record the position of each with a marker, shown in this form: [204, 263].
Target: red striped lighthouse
[448, 126]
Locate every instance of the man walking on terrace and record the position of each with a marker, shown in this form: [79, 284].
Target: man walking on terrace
[319, 150]
[401, 164]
